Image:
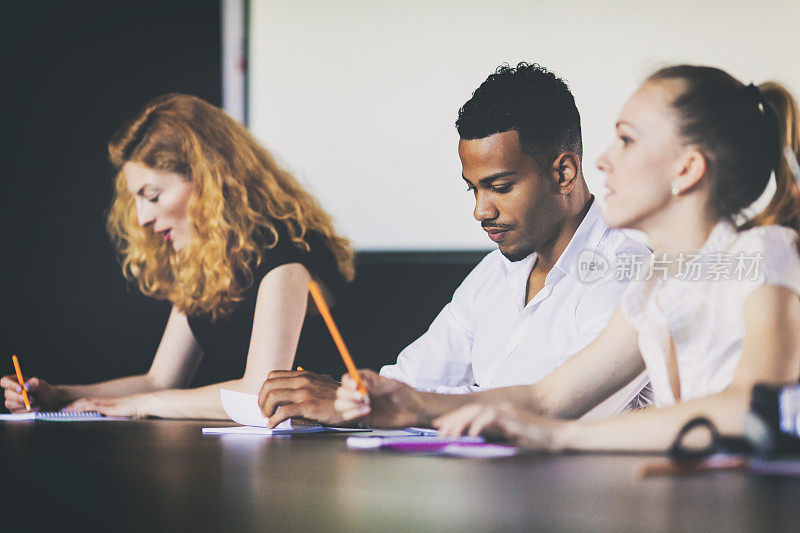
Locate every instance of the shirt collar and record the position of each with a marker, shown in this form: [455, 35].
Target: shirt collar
[586, 238]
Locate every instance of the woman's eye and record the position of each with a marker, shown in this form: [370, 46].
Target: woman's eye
[625, 140]
[152, 199]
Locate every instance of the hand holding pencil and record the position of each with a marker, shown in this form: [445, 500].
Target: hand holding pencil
[319, 300]
[396, 404]
[304, 394]
[390, 403]
[286, 393]
[40, 394]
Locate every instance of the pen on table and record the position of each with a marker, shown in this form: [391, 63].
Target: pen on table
[709, 464]
[21, 382]
[316, 294]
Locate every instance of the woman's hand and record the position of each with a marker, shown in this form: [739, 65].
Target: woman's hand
[391, 403]
[132, 406]
[42, 395]
[506, 421]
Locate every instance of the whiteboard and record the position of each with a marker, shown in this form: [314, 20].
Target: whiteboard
[359, 98]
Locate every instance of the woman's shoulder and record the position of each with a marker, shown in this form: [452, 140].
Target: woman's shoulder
[767, 239]
[309, 248]
[313, 253]
[774, 253]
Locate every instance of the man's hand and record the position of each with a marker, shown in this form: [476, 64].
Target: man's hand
[391, 403]
[299, 394]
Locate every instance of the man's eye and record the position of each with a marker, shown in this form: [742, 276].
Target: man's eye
[500, 189]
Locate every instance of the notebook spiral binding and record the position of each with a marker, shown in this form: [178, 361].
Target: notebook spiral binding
[68, 414]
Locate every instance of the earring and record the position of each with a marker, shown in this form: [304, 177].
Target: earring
[675, 189]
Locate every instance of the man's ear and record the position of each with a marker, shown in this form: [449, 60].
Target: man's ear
[566, 169]
[691, 167]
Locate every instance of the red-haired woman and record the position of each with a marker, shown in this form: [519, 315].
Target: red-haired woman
[204, 218]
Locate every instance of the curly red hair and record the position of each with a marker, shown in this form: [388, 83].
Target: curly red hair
[239, 194]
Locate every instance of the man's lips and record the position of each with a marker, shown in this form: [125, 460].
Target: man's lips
[496, 234]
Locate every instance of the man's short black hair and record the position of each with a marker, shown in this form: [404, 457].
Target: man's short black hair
[530, 100]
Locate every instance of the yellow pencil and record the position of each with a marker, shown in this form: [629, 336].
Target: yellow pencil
[316, 294]
[21, 382]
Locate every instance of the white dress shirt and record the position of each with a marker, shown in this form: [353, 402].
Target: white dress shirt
[488, 337]
[701, 308]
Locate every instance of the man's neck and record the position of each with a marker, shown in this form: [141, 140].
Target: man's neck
[547, 257]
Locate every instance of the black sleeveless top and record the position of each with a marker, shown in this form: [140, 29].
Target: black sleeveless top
[225, 343]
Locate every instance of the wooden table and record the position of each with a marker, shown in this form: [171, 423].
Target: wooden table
[159, 475]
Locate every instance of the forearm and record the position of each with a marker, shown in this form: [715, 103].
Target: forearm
[115, 387]
[532, 398]
[434, 405]
[568, 393]
[654, 430]
[201, 402]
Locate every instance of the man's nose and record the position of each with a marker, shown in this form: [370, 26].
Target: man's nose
[484, 208]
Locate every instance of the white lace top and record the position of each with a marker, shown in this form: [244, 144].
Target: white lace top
[699, 306]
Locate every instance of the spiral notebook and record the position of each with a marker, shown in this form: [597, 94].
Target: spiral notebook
[59, 416]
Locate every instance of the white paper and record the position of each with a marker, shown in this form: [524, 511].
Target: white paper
[18, 416]
[253, 430]
[471, 447]
[381, 441]
[237, 430]
[243, 409]
[487, 451]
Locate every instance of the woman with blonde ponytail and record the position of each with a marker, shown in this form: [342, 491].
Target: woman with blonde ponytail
[204, 218]
[717, 309]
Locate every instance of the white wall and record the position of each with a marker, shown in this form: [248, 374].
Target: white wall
[359, 98]
[234, 57]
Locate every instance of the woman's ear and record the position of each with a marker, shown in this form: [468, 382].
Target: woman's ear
[692, 167]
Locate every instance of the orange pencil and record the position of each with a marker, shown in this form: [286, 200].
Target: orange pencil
[21, 382]
[337, 337]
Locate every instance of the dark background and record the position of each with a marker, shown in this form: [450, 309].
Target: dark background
[73, 72]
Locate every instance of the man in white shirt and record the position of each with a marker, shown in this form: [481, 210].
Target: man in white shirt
[528, 306]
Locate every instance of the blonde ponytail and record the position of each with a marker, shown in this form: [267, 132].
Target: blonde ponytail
[784, 208]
